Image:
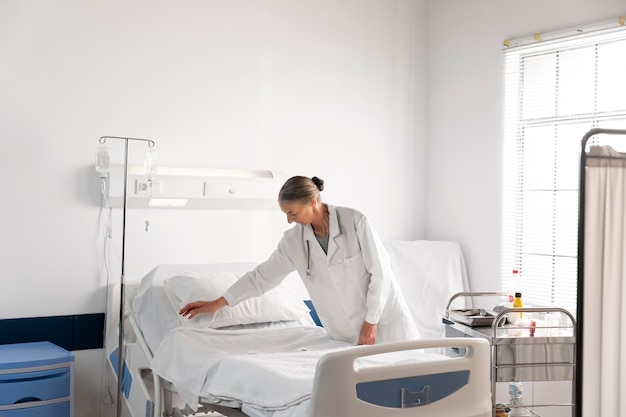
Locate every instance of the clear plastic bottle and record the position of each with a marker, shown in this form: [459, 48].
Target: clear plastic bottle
[103, 161]
[515, 285]
[517, 401]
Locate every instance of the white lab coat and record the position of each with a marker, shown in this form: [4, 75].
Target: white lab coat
[352, 284]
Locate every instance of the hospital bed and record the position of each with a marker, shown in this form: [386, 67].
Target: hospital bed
[280, 364]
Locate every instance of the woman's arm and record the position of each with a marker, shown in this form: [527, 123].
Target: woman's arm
[378, 264]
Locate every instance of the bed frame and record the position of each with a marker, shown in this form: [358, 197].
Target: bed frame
[458, 386]
[422, 389]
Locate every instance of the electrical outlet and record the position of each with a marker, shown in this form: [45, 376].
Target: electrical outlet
[148, 188]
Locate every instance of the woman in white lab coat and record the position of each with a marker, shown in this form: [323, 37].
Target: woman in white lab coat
[342, 263]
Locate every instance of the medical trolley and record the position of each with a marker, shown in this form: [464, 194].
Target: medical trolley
[542, 347]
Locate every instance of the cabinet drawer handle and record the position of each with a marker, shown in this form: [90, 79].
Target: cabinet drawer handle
[27, 400]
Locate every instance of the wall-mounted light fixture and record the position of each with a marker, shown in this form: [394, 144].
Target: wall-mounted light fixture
[195, 187]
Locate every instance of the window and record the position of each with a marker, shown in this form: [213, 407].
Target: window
[555, 91]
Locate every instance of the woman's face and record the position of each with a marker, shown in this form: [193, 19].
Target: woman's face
[299, 213]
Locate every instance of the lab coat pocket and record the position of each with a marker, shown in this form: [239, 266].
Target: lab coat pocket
[354, 268]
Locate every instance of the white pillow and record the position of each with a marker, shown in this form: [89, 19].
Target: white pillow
[279, 304]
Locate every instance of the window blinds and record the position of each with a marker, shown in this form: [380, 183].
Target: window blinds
[556, 89]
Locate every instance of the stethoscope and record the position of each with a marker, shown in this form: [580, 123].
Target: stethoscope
[308, 258]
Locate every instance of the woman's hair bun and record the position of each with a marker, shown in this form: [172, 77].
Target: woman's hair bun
[319, 183]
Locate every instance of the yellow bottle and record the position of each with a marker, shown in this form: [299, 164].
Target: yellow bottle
[517, 303]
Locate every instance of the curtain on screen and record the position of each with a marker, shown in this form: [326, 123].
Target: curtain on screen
[604, 360]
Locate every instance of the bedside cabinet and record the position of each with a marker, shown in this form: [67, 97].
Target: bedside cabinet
[36, 380]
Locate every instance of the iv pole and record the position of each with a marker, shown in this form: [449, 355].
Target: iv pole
[120, 349]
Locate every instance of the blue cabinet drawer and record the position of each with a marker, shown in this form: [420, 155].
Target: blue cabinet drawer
[36, 380]
[34, 386]
[52, 410]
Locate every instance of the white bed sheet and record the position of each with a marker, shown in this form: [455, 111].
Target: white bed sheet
[270, 370]
[189, 357]
[429, 274]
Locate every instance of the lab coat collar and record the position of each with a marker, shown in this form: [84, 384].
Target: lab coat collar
[335, 236]
[333, 222]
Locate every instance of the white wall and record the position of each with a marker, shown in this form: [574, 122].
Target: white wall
[329, 88]
[348, 90]
[465, 114]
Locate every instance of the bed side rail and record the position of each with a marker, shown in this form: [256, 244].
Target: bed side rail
[410, 385]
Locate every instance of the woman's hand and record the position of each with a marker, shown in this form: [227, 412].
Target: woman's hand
[368, 334]
[191, 310]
